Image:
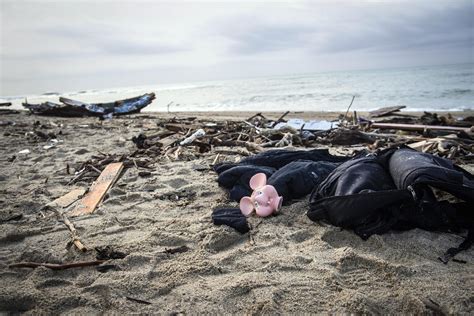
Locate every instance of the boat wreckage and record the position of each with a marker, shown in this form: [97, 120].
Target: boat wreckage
[73, 108]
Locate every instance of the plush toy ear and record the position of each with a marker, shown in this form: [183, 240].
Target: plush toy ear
[258, 181]
[246, 205]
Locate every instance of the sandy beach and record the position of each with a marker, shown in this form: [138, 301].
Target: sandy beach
[177, 261]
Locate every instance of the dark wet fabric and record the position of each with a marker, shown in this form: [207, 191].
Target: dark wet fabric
[393, 189]
[231, 217]
[298, 178]
[293, 173]
[278, 158]
[237, 178]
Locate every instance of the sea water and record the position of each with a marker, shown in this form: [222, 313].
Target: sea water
[427, 88]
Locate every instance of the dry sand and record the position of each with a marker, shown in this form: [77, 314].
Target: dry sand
[287, 264]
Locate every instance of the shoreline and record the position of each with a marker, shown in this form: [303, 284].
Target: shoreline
[239, 115]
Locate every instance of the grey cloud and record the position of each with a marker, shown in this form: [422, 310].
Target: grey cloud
[378, 27]
[108, 40]
[262, 37]
[405, 30]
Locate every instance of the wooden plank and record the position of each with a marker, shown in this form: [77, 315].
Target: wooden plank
[167, 141]
[98, 189]
[386, 111]
[69, 198]
[417, 127]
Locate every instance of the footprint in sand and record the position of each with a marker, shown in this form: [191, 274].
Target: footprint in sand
[176, 183]
[222, 240]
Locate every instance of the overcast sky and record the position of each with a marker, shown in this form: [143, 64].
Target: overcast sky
[77, 45]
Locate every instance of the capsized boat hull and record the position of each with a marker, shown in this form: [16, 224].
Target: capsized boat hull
[73, 108]
[120, 107]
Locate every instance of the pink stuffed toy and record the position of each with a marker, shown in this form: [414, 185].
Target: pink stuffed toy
[264, 199]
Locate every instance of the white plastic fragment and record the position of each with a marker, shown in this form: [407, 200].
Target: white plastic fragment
[24, 152]
[199, 133]
[308, 125]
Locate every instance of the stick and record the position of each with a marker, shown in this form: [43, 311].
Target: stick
[251, 125]
[54, 266]
[280, 118]
[237, 151]
[179, 249]
[168, 106]
[417, 127]
[248, 145]
[95, 169]
[345, 115]
[137, 300]
[63, 218]
[75, 240]
[215, 159]
[80, 175]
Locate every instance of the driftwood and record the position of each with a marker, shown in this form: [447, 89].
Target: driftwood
[98, 189]
[75, 239]
[168, 141]
[54, 266]
[137, 300]
[386, 111]
[349, 107]
[250, 146]
[179, 249]
[68, 198]
[417, 127]
[65, 201]
[280, 119]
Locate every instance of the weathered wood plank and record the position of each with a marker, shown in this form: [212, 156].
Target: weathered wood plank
[98, 189]
[417, 127]
[386, 111]
[69, 198]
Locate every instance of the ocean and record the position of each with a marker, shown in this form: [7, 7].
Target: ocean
[427, 88]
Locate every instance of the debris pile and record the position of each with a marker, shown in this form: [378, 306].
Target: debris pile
[189, 138]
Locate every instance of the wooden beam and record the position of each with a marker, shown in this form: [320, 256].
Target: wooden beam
[417, 127]
[386, 111]
[168, 141]
[98, 189]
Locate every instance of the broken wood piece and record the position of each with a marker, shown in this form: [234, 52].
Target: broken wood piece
[256, 115]
[168, 141]
[75, 239]
[215, 160]
[287, 140]
[248, 145]
[137, 300]
[98, 189]
[236, 151]
[280, 119]
[179, 249]
[54, 266]
[68, 198]
[65, 201]
[386, 111]
[417, 127]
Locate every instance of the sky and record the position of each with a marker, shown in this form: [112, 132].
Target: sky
[68, 45]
